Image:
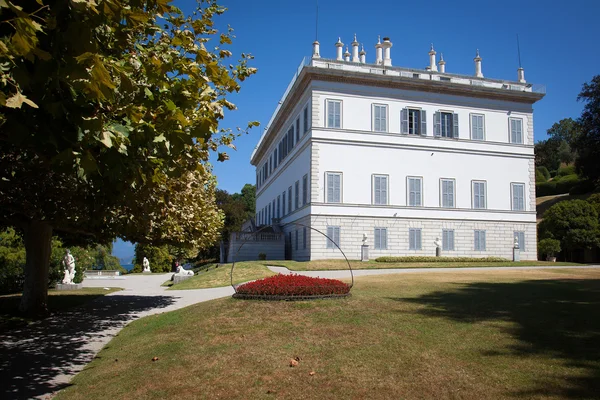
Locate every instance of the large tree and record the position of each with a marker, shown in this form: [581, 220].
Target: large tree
[588, 142]
[109, 111]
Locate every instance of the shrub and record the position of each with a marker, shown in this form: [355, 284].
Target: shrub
[544, 171]
[583, 187]
[539, 177]
[573, 222]
[548, 247]
[410, 259]
[293, 285]
[568, 170]
[262, 256]
[558, 185]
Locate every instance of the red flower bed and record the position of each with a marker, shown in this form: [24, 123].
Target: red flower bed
[293, 285]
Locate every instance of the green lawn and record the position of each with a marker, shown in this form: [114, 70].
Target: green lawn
[217, 276]
[318, 265]
[488, 334]
[58, 300]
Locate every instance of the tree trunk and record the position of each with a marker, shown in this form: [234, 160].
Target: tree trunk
[38, 243]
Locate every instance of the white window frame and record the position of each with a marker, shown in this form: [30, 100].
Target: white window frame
[479, 239]
[519, 234]
[512, 196]
[454, 126]
[510, 130]
[442, 180]
[408, 191]
[327, 105]
[329, 174]
[373, 106]
[387, 190]
[415, 239]
[380, 241]
[473, 202]
[333, 232]
[472, 127]
[446, 244]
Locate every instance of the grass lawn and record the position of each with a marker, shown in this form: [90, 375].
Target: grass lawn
[58, 300]
[467, 335]
[318, 265]
[217, 276]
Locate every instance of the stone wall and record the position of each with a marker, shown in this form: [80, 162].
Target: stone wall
[499, 237]
[249, 251]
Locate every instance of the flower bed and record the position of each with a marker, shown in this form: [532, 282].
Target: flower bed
[292, 287]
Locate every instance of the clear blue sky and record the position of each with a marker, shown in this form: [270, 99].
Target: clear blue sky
[558, 49]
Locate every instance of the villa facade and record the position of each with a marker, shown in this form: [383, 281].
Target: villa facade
[401, 156]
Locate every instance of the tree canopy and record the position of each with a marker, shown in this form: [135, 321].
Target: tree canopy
[574, 223]
[588, 142]
[109, 113]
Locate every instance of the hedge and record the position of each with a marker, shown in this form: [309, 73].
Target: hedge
[411, 259]
[559, 185]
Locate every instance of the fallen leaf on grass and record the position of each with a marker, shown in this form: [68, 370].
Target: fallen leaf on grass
[154, 358]
[311, 373]
[293, 363]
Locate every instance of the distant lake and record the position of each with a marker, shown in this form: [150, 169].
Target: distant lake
[128, 267]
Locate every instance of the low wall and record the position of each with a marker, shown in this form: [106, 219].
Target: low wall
[247, 246]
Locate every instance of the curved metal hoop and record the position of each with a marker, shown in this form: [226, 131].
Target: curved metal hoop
[296, 224]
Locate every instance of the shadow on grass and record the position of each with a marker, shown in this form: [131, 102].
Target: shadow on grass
[559, 319]
[34, 358]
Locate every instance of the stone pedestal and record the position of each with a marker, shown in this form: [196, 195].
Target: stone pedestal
[364, 252]
[516, 254]
[180, 278]
[69, 286]
[438, 251]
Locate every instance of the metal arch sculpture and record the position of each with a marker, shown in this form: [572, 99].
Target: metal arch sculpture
[296, 224]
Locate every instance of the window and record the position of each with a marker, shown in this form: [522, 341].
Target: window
[445, 79]
[380, 238]
[516, 130]
[380, 189]
[305, 189]
[297, 195]
[334, 187]
[290, 199]
[278, 206]
[297, 129]
[479, 241]
[518, 196]
[290, 139]
[445, 124]
[447, 193]
[296, 239]
[274, 216]
[448, 240]
[414, 239]
[283, 203]
[333, 233]
[479, 194]
[379, 118]
[334, 114]
[304, 238]
[305, 119]
[477, 127]
[269, 214]
[520, 235]
[413, 121]
[415, 192]
[270, 162]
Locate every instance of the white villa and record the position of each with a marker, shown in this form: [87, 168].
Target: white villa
[403, 156]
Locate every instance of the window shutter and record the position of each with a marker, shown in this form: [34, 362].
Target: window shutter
[377, 238]
[336, 188]
[383, 189]
[329, 189]
[455, 121]
[337, 235]
[384, 238]
[423, 123]
[404, 121]
[418, 239]
[377, 190]
[437, 124]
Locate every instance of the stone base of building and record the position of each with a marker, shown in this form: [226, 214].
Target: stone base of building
[69, 286]
[180, 278]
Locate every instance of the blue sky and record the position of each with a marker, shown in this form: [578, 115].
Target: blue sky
[558, 49]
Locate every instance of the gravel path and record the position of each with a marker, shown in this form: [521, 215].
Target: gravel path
[42, 358]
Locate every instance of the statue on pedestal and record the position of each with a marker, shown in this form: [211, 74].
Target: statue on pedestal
[438, 247]
[146, 265]
[364, 239]
[68, 263]
[516, 244]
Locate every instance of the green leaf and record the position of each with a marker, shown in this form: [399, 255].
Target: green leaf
[160, 138]
[148, 94]
[170, 105]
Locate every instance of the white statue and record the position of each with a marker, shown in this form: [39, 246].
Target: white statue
[364, 238]
[516, 244]
[437, 242]
[183, 271]
[146, 265]
[69, 263]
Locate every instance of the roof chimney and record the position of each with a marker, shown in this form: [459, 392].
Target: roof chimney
[442, 63]
[477, 60]
[355, 50]
[521, 75]
[379, 52]
[432, 65]
[339, 46]
[387, 45]
[316, 49]
[347, 55]
[363, 55]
